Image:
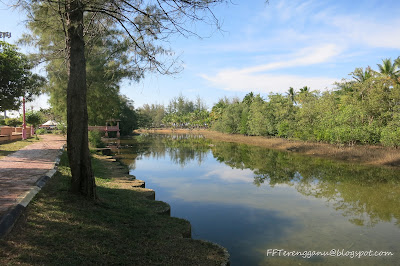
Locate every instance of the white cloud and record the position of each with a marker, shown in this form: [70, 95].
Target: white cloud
[257, 79]
[363, 31]
[231, 175]
[233, 81]
[305, 57]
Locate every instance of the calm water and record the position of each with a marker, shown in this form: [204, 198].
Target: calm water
[252, 200]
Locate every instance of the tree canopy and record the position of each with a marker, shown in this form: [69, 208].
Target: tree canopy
[16, 78]
[139, 26]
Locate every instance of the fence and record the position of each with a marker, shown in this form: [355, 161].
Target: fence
[13, 133]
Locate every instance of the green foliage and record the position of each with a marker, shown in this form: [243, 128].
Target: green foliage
[231, 119]
[41, 131]
[182, 112]
[389, 70]
[34, 118]
[62, 128]
[281, 111]
[95, 139]
[151, 115]
[16, 78]
[144, 119]
[244, 120]
[364, 110]
[390, 136]
[128, 116]
[258, 123]
[2, 122]
[13, 122]
[109, 60]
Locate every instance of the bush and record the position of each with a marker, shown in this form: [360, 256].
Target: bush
[62, 128]
[34, 118]
[95, 139]
[41, 131]
[13, 122]
[390, 136]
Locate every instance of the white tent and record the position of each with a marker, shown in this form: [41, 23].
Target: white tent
[50, 123]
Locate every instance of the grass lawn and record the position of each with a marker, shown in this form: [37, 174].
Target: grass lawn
[8, 148]
[123, 227]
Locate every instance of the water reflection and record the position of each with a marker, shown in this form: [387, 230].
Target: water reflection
[180, 148]
[243, 197]
[366, 195]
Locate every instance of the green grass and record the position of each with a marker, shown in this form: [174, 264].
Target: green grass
[122, 227]
[8, 148]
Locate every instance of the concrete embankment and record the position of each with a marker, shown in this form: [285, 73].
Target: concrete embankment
[122, 180]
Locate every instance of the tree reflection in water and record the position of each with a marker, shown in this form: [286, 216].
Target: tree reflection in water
[364, 194]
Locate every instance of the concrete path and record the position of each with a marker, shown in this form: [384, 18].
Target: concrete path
[21, 171]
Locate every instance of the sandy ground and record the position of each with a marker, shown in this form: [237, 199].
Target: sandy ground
[372, 155]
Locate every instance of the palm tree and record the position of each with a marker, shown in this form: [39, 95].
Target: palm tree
[291, 94]
[389, 69]
[304, 89]
[361, 76]
[397, 62]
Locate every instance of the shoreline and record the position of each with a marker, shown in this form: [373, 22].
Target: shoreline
[368, 155]
[126, 215]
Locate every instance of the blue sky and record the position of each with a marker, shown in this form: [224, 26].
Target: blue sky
[267, 48]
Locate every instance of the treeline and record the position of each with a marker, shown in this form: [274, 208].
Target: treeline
[180, 112]
[363, 110]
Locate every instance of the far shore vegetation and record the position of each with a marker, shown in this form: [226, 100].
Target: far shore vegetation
[363, 110]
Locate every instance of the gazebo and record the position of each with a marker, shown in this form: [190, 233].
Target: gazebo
[112, 128]
[50, 124]
[108, 127]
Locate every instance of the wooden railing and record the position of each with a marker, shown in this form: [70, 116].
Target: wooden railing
[104, 128]
[13, 133]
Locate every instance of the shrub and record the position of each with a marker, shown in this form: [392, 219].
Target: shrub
[34, 118]
[390, 136]
[41, 131]
[13, 122]
[62, 128]
[95, 139]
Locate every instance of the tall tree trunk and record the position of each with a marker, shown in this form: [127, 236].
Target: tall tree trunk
[77, 138]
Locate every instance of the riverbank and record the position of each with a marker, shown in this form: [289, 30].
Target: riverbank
[370, 155]
[125, 226]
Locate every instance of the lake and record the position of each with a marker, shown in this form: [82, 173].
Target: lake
[269, 207]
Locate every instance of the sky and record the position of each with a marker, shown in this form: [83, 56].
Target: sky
[265, 48]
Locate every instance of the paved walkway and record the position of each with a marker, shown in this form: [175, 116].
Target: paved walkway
[20, 171]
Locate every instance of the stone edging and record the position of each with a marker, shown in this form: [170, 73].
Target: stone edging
[140, 185]
[9, 219]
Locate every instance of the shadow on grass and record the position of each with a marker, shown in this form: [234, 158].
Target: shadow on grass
[6, 148]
